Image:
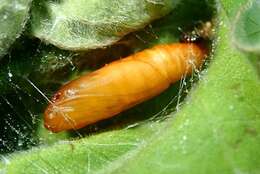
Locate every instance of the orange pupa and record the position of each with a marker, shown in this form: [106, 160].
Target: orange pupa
[121, 85]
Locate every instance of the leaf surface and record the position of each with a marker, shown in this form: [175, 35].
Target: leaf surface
[13, 17]
[84, 25]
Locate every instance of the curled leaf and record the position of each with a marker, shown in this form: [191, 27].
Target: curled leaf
[246, 29]
[13, 16]
[83, 25]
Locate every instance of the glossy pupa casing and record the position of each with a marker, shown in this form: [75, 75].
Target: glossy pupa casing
[121, 85]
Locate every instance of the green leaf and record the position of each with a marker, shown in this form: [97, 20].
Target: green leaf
[87, 155]
[13, 17]
[246, 29]
[83, 25]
